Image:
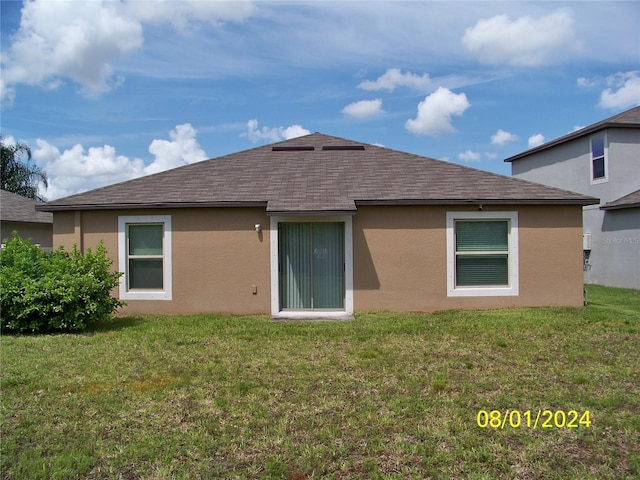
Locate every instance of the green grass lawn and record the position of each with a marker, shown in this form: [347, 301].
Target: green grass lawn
[384, 396]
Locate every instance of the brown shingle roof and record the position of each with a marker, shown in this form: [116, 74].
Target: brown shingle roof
[16, 208]
[317, 173]
[627, 119]
[631, 200]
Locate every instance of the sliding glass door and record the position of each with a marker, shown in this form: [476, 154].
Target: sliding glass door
[311, 266]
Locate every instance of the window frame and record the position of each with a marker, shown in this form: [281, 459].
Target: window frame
[123, 257]
[512, 289]
[604, 157]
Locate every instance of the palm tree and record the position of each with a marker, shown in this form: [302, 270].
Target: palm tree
[17, 176]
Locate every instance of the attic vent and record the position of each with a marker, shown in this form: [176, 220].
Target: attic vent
[293, 149]
[343, 147]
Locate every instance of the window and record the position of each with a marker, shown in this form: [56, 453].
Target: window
[598, 159]
[144, 255]
[482, 253]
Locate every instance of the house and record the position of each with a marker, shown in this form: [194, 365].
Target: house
[18, 214]
[601, 160]
[321, 226]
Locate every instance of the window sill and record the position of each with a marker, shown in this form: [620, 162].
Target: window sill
[145, 295]
[483, 292]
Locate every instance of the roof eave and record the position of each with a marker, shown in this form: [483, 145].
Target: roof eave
[339, 211]
[479, 201]
[621, 206]
[156, 205]
[31, 222]
[311, 213]
[569, 137]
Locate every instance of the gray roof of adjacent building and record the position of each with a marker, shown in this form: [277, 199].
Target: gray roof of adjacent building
[632, 200]
[317, 173]
[627, 119]
[16, 208]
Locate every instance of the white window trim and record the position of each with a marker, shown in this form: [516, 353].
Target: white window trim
[166, 292]
[595, 181]
[513, 288]
[348, 273]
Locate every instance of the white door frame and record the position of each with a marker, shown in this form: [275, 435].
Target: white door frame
[276, 312]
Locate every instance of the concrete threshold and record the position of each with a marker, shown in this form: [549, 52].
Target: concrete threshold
[292, 317]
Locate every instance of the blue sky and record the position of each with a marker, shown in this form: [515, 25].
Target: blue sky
[107, 91]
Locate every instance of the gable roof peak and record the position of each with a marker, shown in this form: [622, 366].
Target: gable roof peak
[627, 119]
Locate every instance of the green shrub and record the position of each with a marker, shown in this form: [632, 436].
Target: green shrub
[54, 291]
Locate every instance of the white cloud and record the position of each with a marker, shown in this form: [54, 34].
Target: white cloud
[274, 134]
[502, 137]
[627, 94]
[78, 169]
[393, 78]
[9, 140]
[469, 156]
[435, 112]
[535, 140]
[186, 14]
[294, 131]
[7, 93]
[182, 149]
[525, 41]
[364, 108]
[585, 82]
[80, 40]
[77, 40]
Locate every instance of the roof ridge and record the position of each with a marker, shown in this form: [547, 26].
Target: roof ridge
[306, 180]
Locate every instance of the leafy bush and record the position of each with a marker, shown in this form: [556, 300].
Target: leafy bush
[54, 291]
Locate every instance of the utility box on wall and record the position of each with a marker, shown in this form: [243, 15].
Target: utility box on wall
[586, 241]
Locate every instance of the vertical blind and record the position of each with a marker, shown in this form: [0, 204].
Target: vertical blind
[295, 276]
[328, 265]
[311, 257]
[482, 253]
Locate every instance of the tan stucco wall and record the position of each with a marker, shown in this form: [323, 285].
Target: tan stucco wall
[67, 227]
[217, 257]
[399, 258]
[39, 233]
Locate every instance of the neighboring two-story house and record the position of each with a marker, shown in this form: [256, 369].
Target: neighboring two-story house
[603, 161]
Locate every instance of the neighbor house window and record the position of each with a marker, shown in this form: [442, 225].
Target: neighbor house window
[482, 253]
[144, 256]
[598, 159]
